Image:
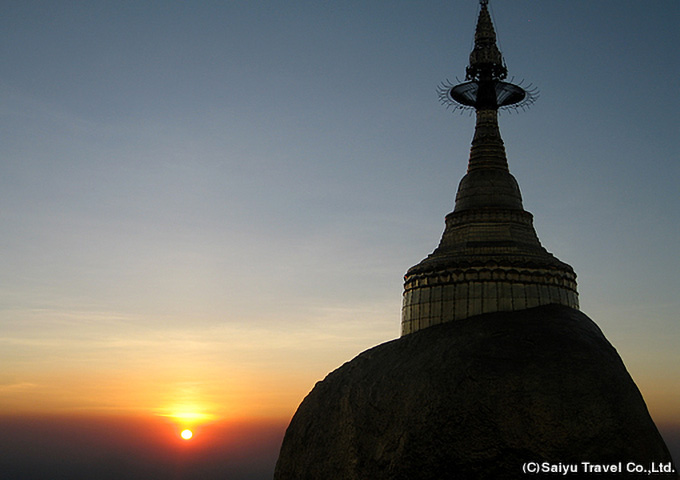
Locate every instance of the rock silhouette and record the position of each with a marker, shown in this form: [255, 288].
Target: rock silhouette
[474, 399]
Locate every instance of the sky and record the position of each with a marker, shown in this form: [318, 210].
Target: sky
[207, 206]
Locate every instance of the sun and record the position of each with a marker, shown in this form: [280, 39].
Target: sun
[188, 421]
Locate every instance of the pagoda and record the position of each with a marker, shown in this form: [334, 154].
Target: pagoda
[489, 258]
[513, 377]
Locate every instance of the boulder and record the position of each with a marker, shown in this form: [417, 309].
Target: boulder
[476, 398]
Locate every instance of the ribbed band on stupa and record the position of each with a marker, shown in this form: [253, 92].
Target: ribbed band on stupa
[489, 258]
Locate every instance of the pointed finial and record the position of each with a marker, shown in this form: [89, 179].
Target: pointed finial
[484, 87]
[486, 60]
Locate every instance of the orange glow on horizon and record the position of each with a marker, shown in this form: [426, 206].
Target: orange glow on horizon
[191, 423]
[150, 441]
[190, 417]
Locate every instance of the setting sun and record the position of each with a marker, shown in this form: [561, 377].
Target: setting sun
[186, 434]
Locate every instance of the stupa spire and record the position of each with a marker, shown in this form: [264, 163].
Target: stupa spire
[489, 258]
[486, 59]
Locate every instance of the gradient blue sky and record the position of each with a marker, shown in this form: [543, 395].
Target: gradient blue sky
[221, 198]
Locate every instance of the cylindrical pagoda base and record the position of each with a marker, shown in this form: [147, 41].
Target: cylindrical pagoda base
[455, 293]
